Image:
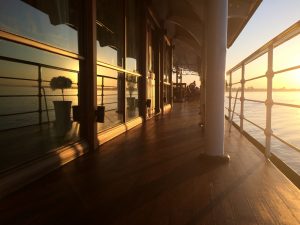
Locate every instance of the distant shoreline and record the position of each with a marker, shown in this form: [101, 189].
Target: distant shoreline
[264, 90]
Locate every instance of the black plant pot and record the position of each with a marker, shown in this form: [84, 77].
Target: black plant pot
[100, 114]
[62, 116]
[148, 103]
[131, 103]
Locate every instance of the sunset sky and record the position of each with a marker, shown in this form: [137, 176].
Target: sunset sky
[271, 18]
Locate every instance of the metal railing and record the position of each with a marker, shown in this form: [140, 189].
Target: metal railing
[104, 88]
[120, 88]
[268, 49]
[39, 86]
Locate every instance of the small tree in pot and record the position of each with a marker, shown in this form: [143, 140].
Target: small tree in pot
[60, 83]
[62, 108]
[131, 83]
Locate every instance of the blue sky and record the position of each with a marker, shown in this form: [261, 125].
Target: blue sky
[271, 18]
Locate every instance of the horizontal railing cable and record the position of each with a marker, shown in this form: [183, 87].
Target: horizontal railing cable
[254, 124]
[255, 78]
[285, 142]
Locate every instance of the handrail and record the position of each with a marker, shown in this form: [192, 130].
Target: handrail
[278, 40]
[36, 64]
[38, 45]
[40, 85]
[268, 48]
[117, 68]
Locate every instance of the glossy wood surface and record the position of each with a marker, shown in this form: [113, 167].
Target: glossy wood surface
[153, 175]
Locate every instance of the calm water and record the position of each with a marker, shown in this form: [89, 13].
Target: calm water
[285, 122]
[11, 105]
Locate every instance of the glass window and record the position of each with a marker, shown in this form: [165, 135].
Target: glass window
[51, 22]
[151, 70]
[23, 52]
[167, 74]
[39, 117]
[133, 35]
[132, 94]
[110, 94]
[110, 31]
[166, 94]
[167, 63]
[150, 50]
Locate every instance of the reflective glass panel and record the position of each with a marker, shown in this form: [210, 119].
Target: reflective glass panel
[110, 94]
[150, 74]
[133, 35]
[167, 63]
[37, 115]
[110, 32]
[51, 22]
[132, 110]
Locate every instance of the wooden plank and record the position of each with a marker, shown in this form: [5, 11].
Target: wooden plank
[153, 175]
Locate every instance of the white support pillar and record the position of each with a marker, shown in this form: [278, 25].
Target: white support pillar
[216, 40]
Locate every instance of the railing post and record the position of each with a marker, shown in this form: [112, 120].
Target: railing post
[242, 98]
[102, 90]
[269, 102]
[40, 94]
[230, 95]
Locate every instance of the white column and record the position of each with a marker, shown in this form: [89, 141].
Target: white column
[216, 40]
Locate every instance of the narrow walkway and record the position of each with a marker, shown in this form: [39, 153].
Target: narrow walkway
[153, 175]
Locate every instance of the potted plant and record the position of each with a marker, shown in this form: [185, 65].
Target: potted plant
[131, 83]
[62, 108]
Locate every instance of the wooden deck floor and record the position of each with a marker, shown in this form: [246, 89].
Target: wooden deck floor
[154, 175]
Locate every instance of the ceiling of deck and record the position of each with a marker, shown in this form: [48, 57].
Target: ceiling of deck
[184, 23]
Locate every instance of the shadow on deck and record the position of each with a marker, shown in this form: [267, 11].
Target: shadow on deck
[153, 175]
